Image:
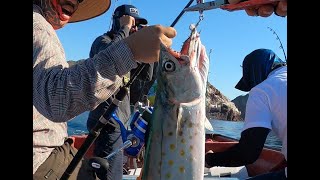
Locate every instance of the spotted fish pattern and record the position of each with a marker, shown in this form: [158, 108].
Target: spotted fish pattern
[175, 148]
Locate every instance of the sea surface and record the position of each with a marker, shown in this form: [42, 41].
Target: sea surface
[227, 128]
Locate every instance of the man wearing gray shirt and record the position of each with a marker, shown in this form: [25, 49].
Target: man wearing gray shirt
[61, 92]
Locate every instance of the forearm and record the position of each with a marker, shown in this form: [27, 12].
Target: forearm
[245, 152]
[121, 34]
[233, 157]
[61, 93]
[106, 40]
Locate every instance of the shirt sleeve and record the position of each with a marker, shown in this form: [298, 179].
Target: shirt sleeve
[123, 32]
[245, 152]
[61, 92]
[103, 41]
[258, 112]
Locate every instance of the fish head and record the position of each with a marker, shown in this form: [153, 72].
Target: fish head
[182, 76]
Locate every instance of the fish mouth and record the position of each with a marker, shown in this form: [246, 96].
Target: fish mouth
[178, 55]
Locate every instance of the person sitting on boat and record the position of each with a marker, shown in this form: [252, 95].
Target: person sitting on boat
[60, 92]
[279, 9]
[125, 21]
[265, 76]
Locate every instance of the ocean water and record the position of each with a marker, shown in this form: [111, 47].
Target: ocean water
[227, 128]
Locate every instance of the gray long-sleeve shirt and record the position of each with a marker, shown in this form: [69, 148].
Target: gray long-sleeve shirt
[60, 93]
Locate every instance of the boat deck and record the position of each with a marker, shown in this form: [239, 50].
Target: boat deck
[214, 173]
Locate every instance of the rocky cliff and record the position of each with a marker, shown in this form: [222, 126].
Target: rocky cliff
[220, 107]
[240, 102]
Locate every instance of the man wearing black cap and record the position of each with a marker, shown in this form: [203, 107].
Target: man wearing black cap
[265, 76]
[125, 21]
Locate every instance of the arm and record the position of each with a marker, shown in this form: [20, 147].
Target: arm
[105, 40]
[257, 125]
[99, 44]
[61, 93]
[245, 152]
[109, 38]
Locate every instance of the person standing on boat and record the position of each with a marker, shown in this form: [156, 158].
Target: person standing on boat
[265, 77]
[279, 9]
[125, 21]
[60, 92]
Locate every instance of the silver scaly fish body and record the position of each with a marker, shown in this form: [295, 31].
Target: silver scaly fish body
[176, 141]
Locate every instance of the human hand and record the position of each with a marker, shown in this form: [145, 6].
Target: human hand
[145, 43]
[205, 162]
[126, 20]
[279, 9]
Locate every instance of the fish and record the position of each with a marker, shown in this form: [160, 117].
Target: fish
[176, 140]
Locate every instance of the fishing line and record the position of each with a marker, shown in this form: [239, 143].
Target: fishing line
[281, 46]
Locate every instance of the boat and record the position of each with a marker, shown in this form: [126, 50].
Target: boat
[270, 160]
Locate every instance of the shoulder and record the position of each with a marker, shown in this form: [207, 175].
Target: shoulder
[278, 74]
[274, 85]
[39, 22]
[104, 38]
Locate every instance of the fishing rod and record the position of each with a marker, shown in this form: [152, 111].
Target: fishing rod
[95, 131]
[181, 13]
[107, 114]
[281, 46]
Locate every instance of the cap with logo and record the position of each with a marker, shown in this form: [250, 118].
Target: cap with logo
[131, 11]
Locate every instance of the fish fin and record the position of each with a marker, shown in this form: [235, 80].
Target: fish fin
[204, 64]
[179, 117]
[208, 125]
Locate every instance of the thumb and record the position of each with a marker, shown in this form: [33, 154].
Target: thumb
[166, 35]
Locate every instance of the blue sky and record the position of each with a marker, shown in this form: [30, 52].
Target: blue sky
[229, 36]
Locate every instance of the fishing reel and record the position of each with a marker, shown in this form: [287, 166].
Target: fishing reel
[133, 138]
[137, 131]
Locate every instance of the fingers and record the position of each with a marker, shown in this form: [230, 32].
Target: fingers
[145, 43]
[251, 11]
[167, 33]
[281, 9]
[233, 1]
[170, 32]
[266, 10]
[166, 41]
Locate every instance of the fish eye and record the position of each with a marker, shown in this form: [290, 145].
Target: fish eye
[169, 66]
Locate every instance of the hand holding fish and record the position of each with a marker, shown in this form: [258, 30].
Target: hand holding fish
[279, 9]
[176, 140]
[145, 43]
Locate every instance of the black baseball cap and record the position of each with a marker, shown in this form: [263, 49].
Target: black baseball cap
[131, 11]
